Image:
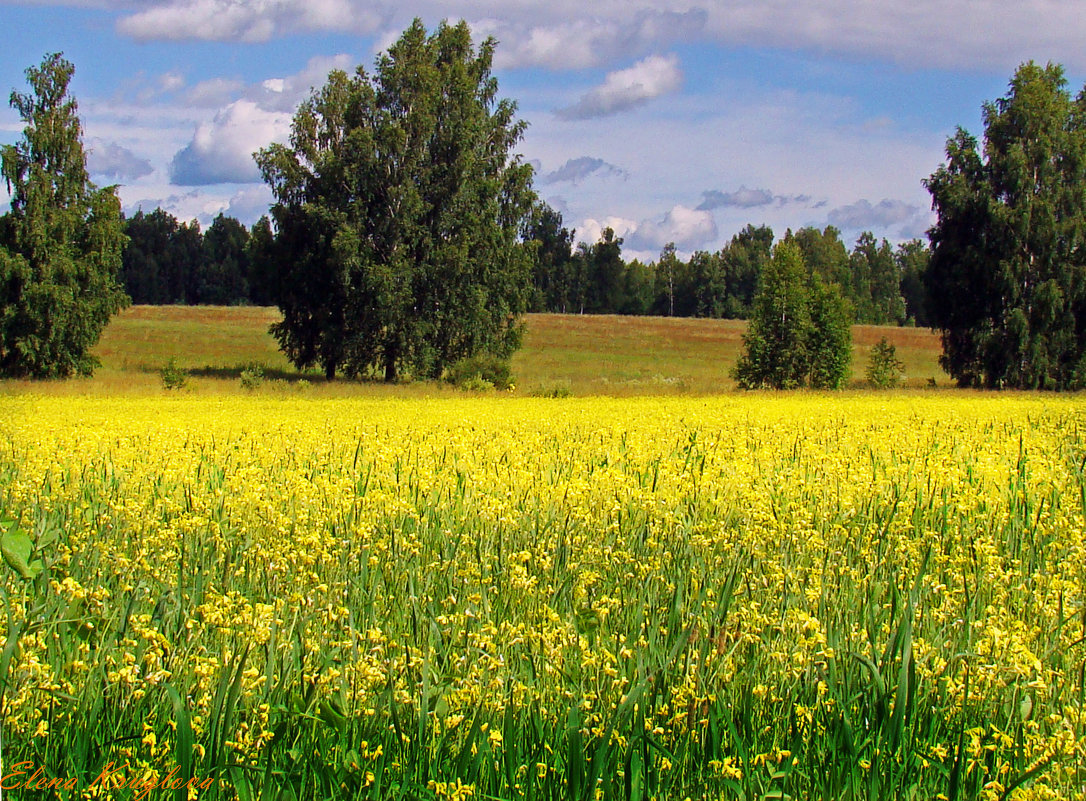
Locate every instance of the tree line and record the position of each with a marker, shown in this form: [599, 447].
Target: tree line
[884, 285]
[171, 262]
[168, 261]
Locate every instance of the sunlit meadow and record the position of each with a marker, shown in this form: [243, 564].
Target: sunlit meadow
[744, 597]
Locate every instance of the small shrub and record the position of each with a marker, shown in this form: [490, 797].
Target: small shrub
[885, 370]
[252, 376]
[302, 385]
[555, 391]
[482, 371]
[173, 376]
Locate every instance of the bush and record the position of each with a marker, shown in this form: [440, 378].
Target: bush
[885, 370]
[482, 371]
[252, 376]
[173, 376]
[555, 391]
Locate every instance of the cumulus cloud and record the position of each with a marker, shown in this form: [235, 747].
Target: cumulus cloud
[687, 228]
[576, 41]
[221, 151]
[246, 20]
[863, 215]
[114, 162]
[625, 89]
[576, 170]
[591, 230]
[193, 205]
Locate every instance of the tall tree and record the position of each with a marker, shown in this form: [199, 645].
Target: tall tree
[605, 289]
[799, 331]
[825, 255]
[145, 265]
[876, 282]
[776, 343]
[668, 275]
[551, 259]
[912, 259]
[224, 277]
[1007, 278]
[259, 250]
[744, 259]
[399, 209]
[61, 243]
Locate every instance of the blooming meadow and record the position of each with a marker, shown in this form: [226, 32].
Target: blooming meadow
[802, 596]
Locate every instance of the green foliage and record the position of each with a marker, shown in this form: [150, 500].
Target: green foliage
[1007, 278]
[829, 339]
[912, 258]
[252, 376]
[168, 262]
[798, 333]
[551, 259]
[400, 207]
[885, 370]
[482, 371]
[224, 277]
[552, 391]
[61, 243]
[173, 376]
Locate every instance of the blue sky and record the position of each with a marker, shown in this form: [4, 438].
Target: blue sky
[671, 121]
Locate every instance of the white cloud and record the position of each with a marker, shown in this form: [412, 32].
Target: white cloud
[284, 93]
[193, 205]
[687, 228]
[576, 40]
[250, 203]
[114, 162]
[591, 230]
[571, 34]
[624, 89]
[862, 215]
[246, 20]
[221, 151]
[171, 82]
[213, 92]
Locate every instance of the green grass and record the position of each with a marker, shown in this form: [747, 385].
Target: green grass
[581, 354]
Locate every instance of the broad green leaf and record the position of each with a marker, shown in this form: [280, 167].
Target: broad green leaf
[17, 548]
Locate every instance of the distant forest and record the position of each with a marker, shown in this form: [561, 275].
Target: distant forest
[172, 262]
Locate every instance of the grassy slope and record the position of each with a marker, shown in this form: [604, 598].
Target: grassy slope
[603, 354]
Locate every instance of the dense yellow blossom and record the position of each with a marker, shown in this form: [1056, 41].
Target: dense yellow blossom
[723, 591]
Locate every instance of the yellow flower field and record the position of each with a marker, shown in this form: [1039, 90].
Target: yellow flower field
[856, 596]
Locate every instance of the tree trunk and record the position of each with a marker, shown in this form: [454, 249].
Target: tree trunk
[330, 371]
[390, 368]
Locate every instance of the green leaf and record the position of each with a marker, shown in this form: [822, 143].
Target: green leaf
[17, 548]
